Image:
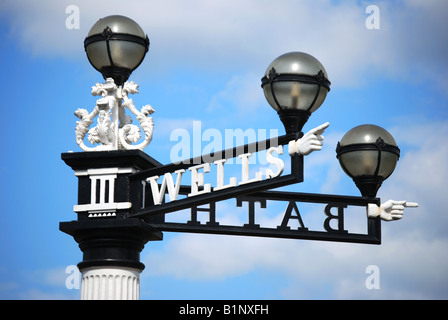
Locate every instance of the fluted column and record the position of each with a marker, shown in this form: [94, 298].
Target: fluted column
[110, 283]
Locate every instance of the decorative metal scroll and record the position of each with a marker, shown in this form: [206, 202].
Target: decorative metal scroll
[114, 130]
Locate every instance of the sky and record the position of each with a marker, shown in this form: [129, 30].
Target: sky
[204, 66]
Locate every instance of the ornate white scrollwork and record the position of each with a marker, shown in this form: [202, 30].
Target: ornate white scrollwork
[114, 130]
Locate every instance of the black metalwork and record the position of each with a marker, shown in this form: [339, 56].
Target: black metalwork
[188, 202]
[379, 145]
[333, 203]
[117, 214]
[218, 155]
[111, 242]
[119, 74]
[293, 120]
[253, 193]
[142, 211]
[118, 240]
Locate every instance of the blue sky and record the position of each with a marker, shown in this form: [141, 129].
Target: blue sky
[205, 64]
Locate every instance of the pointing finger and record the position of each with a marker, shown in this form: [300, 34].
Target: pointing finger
[411, 204]
[395, 202]
[320, 129]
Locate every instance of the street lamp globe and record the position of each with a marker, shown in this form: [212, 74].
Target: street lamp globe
[368, 154]
[116, 46]
[295, 85]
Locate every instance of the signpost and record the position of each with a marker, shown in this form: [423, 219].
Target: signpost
[125, 196]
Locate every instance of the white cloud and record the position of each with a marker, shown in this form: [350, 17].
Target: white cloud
[249, 34]
[242, 94]
[40, 28]
[166, 126]
[421, 175]
[37, 284]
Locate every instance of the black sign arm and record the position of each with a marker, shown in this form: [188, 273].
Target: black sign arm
[142, 212]
[371, 238]
[373, 235]
[224, 194]
[218, 155]
[314, 198]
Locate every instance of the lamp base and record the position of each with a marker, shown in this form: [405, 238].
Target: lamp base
[368, 185]
[293, 119]
[119, 74]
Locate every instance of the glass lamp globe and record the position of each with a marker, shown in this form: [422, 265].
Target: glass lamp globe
[368, 154]
[116, 46]
[295, 85]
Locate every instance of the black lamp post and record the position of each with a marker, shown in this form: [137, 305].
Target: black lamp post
[115, 46]
[122, 199]
[110, 242]
[368, 154]
[295, 85]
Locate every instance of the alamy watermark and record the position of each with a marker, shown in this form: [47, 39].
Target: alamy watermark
[209, 142]
[73, 19]
[373, 278]
[373, 20]
[73, 279]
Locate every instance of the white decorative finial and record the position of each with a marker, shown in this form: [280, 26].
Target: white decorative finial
[114, 130]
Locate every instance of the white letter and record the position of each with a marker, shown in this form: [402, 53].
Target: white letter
[220, 176]
[245, 170]
[373, 21]
[197, 179]
[72, 21]
[275, 161]
[373, 280]
[173, 191]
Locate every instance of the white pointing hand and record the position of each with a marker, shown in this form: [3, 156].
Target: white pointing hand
[311, 141]
[389, 210]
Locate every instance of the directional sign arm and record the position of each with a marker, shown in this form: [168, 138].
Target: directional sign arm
[292, 202]
[223, 154]
[220, 195]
